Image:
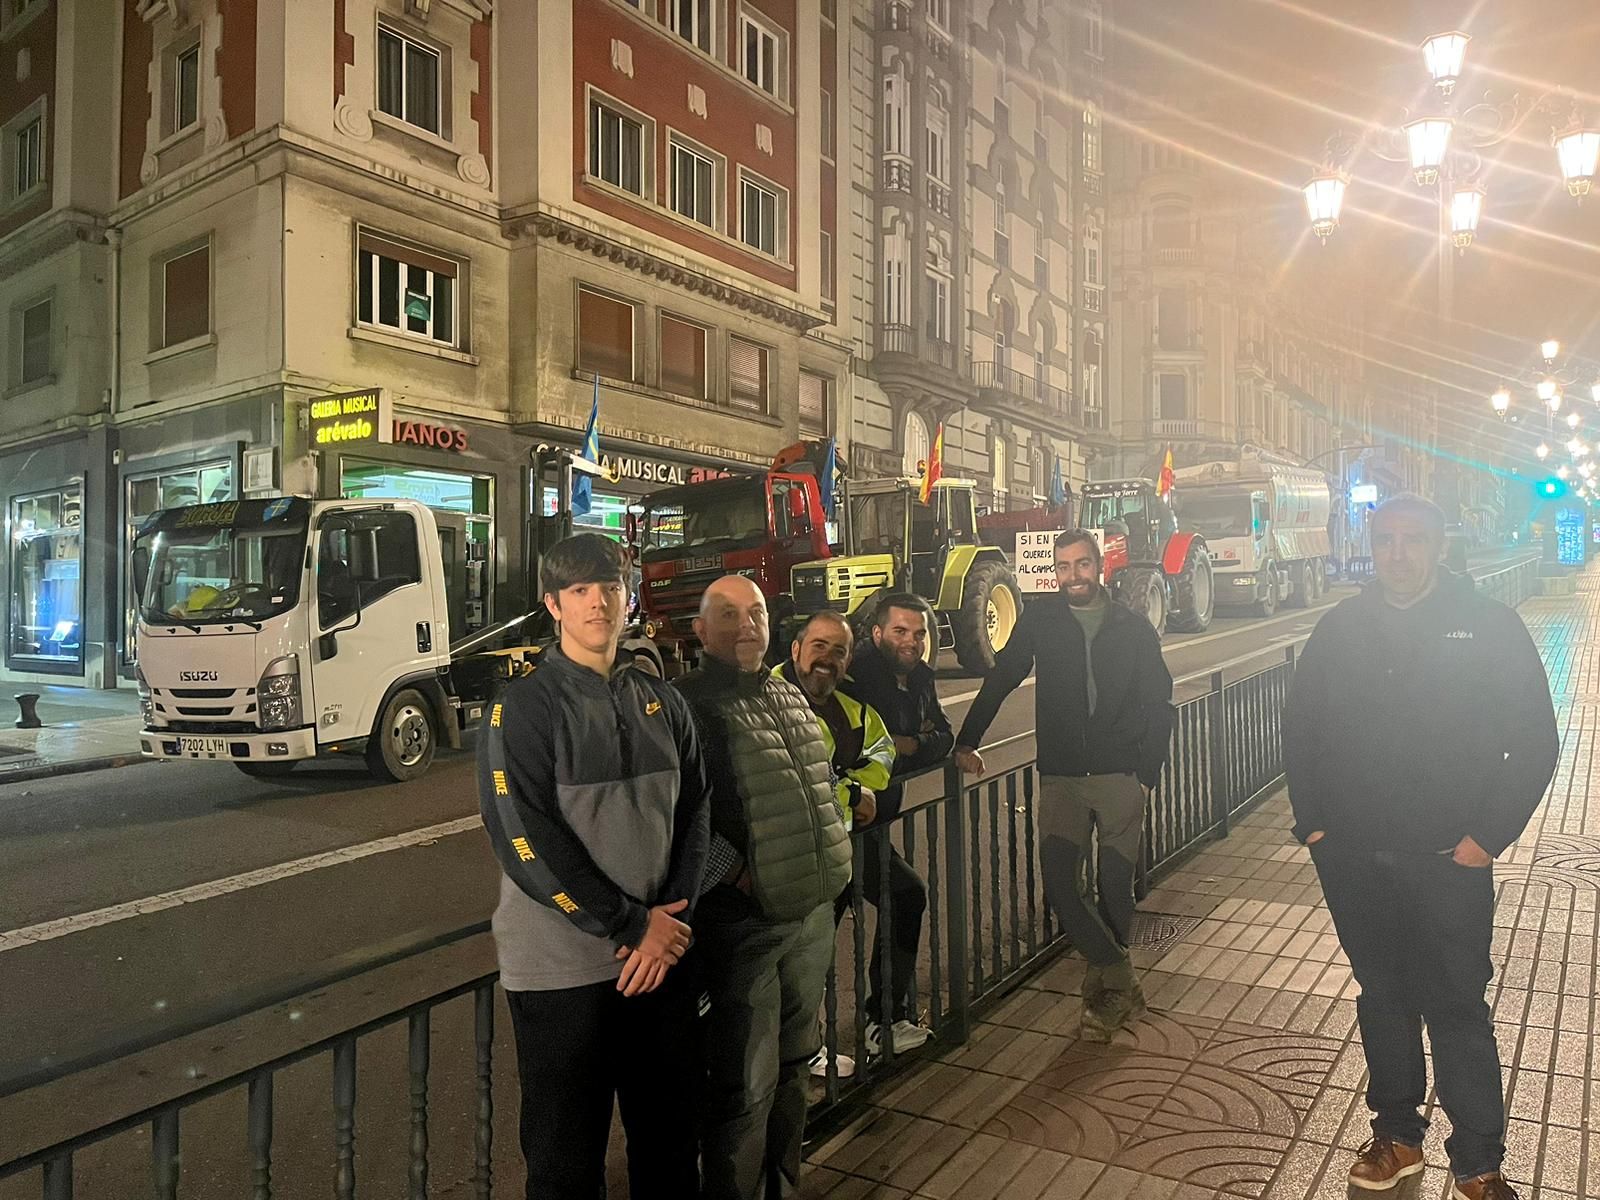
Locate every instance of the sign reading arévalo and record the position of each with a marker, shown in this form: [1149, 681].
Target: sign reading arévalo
[357, 417]
[1036, 560]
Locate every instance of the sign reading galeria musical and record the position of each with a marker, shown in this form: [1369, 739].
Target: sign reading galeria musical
[350, 418]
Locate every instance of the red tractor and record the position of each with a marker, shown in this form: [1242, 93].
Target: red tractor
[1151, 564]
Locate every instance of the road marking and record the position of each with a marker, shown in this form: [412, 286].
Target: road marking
[1276, 644]
[30, 935]
[1296, 615]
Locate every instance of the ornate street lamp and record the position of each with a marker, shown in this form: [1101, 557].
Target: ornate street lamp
[1550, 348]
[1445, 54]
[1325, 200]
[1541, 451]
[1501, 400]
[1429, 140]
[1578, 149]
[1573, 420]
[1466, 209]
[1550, 393]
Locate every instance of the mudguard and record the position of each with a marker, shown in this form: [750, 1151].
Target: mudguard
[1177, 552]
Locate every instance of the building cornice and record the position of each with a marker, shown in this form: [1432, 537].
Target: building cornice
[49, 235]
[592, 240]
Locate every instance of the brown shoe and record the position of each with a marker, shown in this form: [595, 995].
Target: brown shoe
[1384, 1162]
[1492, 1186]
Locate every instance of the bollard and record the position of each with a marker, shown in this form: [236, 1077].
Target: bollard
[28, 702]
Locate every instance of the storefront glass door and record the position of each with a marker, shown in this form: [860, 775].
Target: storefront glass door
[46, 609]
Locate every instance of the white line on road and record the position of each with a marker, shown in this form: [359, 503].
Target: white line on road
[1276, 644]
[64, 926]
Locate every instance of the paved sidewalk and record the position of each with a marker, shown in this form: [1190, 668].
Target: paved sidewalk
[1246, 1078]
[83, 731]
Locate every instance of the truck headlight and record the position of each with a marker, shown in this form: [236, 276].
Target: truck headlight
[278, 694]
[147, 708]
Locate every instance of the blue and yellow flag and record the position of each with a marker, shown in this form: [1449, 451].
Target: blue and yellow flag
[582, 486]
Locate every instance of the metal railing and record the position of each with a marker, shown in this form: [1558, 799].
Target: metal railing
[987, 928]
[991, 376]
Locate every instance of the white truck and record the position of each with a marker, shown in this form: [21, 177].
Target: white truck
[280, 630]
[1265, 523]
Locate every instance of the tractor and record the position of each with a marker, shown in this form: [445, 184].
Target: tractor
[933, 550]
[1151, 564]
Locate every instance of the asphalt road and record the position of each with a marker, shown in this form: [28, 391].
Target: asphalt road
[158, 895]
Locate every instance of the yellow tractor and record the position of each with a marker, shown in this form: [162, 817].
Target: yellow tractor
[898, 544]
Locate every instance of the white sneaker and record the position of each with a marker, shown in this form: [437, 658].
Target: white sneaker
[908, 1035]
[845, 1065]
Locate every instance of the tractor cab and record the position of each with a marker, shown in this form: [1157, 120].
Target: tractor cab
[1129, 510]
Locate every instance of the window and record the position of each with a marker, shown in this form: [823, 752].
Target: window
[938, 316]
[1091, 256]
[815, 415]
[1172, 319]
[826, 240]
[1004, 321]
[896, 279]
[46, 610]
[761, 222]
[1041, 353]
[1171, 228]
[938, 138]
[692, 185]
[407, 289]
[408, 80]
[896, 115]
[915, 441]
[185, 297]
[1091, 370]
[1041, 257]
[27, 157]
[683, 358]
[616, 148]
[939, 14]
[761, 56]
[1174, 396]
[605, 335]
[186, 88]
[828, 133]
[1093, 29]
[367, 555]
[691, 20]
[1002, 241]
[747, 374]
[1091, 138]
[34, 361]
[999, 456]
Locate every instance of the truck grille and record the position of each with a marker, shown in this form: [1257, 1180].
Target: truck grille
[217, 707]
[680, 594]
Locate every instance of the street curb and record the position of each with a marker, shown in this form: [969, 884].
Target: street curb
[75, 766]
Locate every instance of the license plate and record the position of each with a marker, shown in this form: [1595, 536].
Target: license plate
[202, 745]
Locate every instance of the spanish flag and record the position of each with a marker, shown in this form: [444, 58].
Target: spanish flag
[932, 473]
[1164, 480]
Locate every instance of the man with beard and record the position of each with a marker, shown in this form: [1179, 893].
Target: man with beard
[1103, 719]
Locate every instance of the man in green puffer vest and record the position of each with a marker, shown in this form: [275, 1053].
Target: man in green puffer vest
[780, 853]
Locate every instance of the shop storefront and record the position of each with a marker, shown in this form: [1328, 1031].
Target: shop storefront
[628, 479]
[46, 611]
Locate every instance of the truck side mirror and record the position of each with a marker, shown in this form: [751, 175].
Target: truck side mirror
[630, 528]
[141, 571]
[798, 509]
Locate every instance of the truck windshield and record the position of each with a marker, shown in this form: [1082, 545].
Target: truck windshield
[209, 564]
[879, 521]
[1103, 508]
[722, 514]
[1217, 516]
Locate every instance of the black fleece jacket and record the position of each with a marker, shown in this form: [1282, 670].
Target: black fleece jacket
[913, 711]
[1407, 729]
[1130, 729]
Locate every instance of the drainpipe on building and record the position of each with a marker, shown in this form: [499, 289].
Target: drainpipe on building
[114, 240]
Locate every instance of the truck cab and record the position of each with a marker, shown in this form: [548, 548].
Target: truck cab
[271, 631]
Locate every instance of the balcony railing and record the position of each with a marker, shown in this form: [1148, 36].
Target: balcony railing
[996, 378]
[897, 14]
[1094, 297]
[939, 197]
[928, 347]
[1177, 255]
[1176, 428]
[896, 175]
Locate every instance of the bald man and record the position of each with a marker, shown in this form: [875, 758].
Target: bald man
[780, 853]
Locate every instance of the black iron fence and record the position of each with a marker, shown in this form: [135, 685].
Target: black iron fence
[986, 928]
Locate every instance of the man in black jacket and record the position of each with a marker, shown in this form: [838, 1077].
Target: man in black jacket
[891, 676]
[1419, 738]
[1103, 719]
[596, 802]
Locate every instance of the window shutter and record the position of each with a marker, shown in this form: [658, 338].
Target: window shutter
[683, 358]
[747, 374]
[605, 335]
[813, 405]
[186, 296]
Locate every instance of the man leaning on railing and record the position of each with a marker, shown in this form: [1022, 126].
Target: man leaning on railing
[593, 793]
[1103, 721]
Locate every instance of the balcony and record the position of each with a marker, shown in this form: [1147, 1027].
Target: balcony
[921, 363]
[896, 176]
[1253, 356]
[939, 197]
[1008, 388]
[897, 14]
[1185, 428]
[1177, 256]
[1094, 298]
[927, 348]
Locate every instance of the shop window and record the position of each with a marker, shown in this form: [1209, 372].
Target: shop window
[605, 335]
[763, 210]
[814, 406]
[408, 80]
[206, 483]
[185, 308]
[692, 181]
[365, 555]
[747, 374]
[619, 143]
[46, 612]
[34, 359]
[683, 358]
[407, 290]
[761, 52]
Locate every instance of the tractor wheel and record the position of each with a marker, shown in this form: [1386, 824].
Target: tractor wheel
[1194, 594]
[991, 604]
[1145, 591]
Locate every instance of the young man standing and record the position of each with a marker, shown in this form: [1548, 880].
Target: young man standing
[764, 929]
[1103, 718]
[1419, 738]
[595, 799]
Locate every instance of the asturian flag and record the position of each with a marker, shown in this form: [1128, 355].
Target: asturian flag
[582, 487]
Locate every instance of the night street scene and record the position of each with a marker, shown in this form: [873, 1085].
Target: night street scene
[851, 599]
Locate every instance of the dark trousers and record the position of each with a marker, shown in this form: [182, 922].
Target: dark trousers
[577, 1048]
[765, 981]
[1092, 897]
[908, 900]
[1416, 929]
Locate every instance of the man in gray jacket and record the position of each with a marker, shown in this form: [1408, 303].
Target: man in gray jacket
[764, 926]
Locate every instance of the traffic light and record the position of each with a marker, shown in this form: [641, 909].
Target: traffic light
[1551, 487]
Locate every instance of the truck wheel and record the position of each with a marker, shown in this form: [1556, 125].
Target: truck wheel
[403, 739]
[1144, 591]
[1195, 594]
[990, 606]
[1268, 604]
[1299, 586]
[265, 770]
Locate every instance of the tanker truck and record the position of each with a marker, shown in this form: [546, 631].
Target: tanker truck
[1265, 523]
